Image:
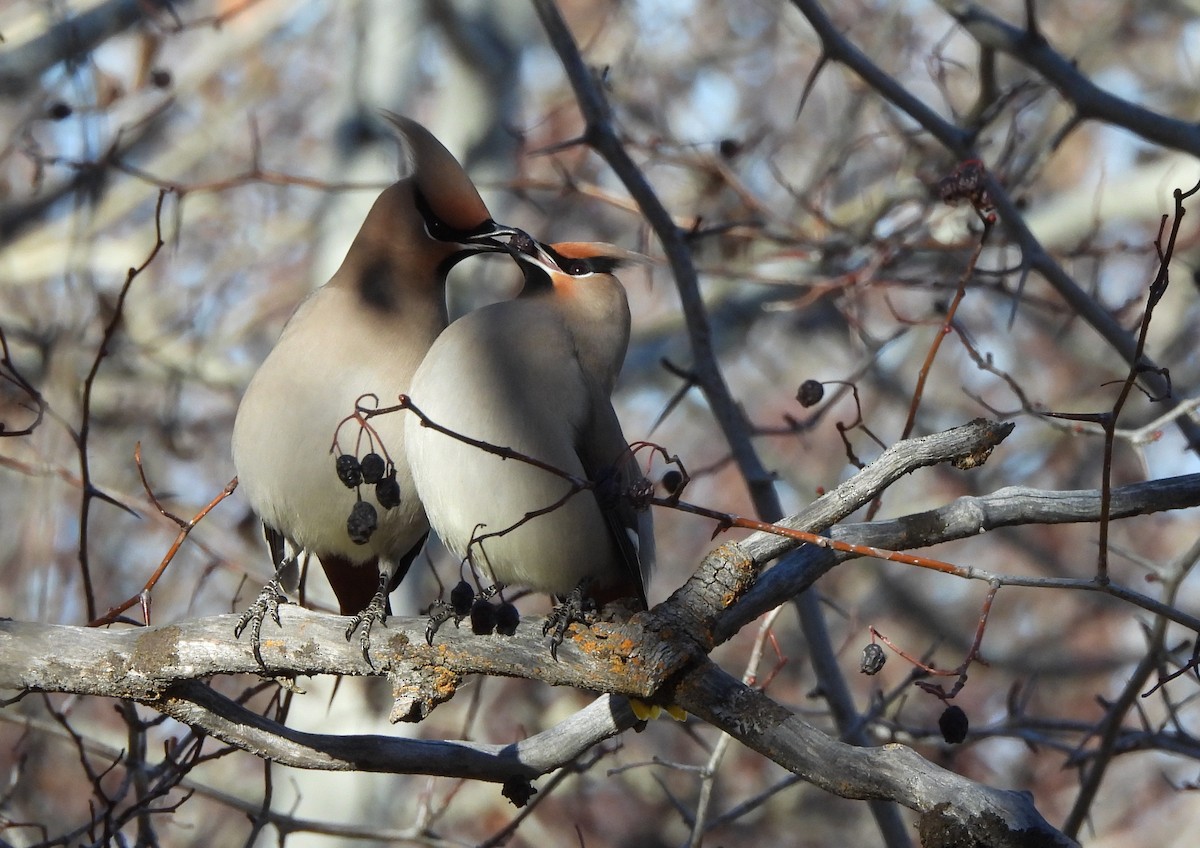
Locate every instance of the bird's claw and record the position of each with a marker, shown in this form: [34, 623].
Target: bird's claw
[376, 611]
[439, 614]
[267, 603]
[574, 608]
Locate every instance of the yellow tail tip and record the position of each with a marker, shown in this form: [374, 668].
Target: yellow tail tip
[645, 711]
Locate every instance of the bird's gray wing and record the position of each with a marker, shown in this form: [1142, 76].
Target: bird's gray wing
[608, 462]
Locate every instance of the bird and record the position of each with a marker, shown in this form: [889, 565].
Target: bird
[535, 374]
[357, 340]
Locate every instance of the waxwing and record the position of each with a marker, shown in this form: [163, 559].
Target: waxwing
[535, 374]
[358, 339]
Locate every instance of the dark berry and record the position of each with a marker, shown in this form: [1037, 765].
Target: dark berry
[518, 790]
[672, 481]
[729, 147]
[483, 618]
[353, 133]
[810, 393]
[873, 659]
[387, 492]
[362, 522]
[160, 78]
[954, 725]
[373, 468]
[507, 619]
[348, 470]
[462, 597]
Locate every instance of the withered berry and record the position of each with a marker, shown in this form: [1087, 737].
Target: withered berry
[483, 618]
[810, 394]
[873, 659]
[373, 468]
[507, 619]
[953, 724]
[362, 522]
[672, 481]
[387, 491]
[462, 597]
[518, 790]
[348, 470]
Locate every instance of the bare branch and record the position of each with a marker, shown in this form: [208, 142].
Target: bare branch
[1034, 255]
[1090, 102]
[602, 137]
[970, 517]
[948, 803]
[22, 66]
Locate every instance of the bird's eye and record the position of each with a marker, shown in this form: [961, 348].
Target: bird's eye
[438, 229]
[577, 267]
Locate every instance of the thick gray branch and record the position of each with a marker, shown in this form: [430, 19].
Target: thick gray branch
[143, 663]
[951, 806]
[199, 706]
[163, 667]
[976, 439]
[966, 518]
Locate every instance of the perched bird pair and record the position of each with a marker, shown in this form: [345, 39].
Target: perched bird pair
[534, 374]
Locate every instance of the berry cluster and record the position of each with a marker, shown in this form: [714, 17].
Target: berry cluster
[372, 470]
[486, 616]
[969, 182]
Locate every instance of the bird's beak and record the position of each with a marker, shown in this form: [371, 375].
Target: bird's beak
[523, 246]
[537, 264]
[492, 238]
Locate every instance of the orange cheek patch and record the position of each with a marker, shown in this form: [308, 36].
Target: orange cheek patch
[565, 285]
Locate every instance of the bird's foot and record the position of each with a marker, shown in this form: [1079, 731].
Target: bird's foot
[376, 611]
[577, 607]
[267, 603]
[439, 613]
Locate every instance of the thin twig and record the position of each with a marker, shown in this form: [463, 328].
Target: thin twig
[708, 774]
[81, 441]
[10, 374]
[1035, 257]
[185, 528]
